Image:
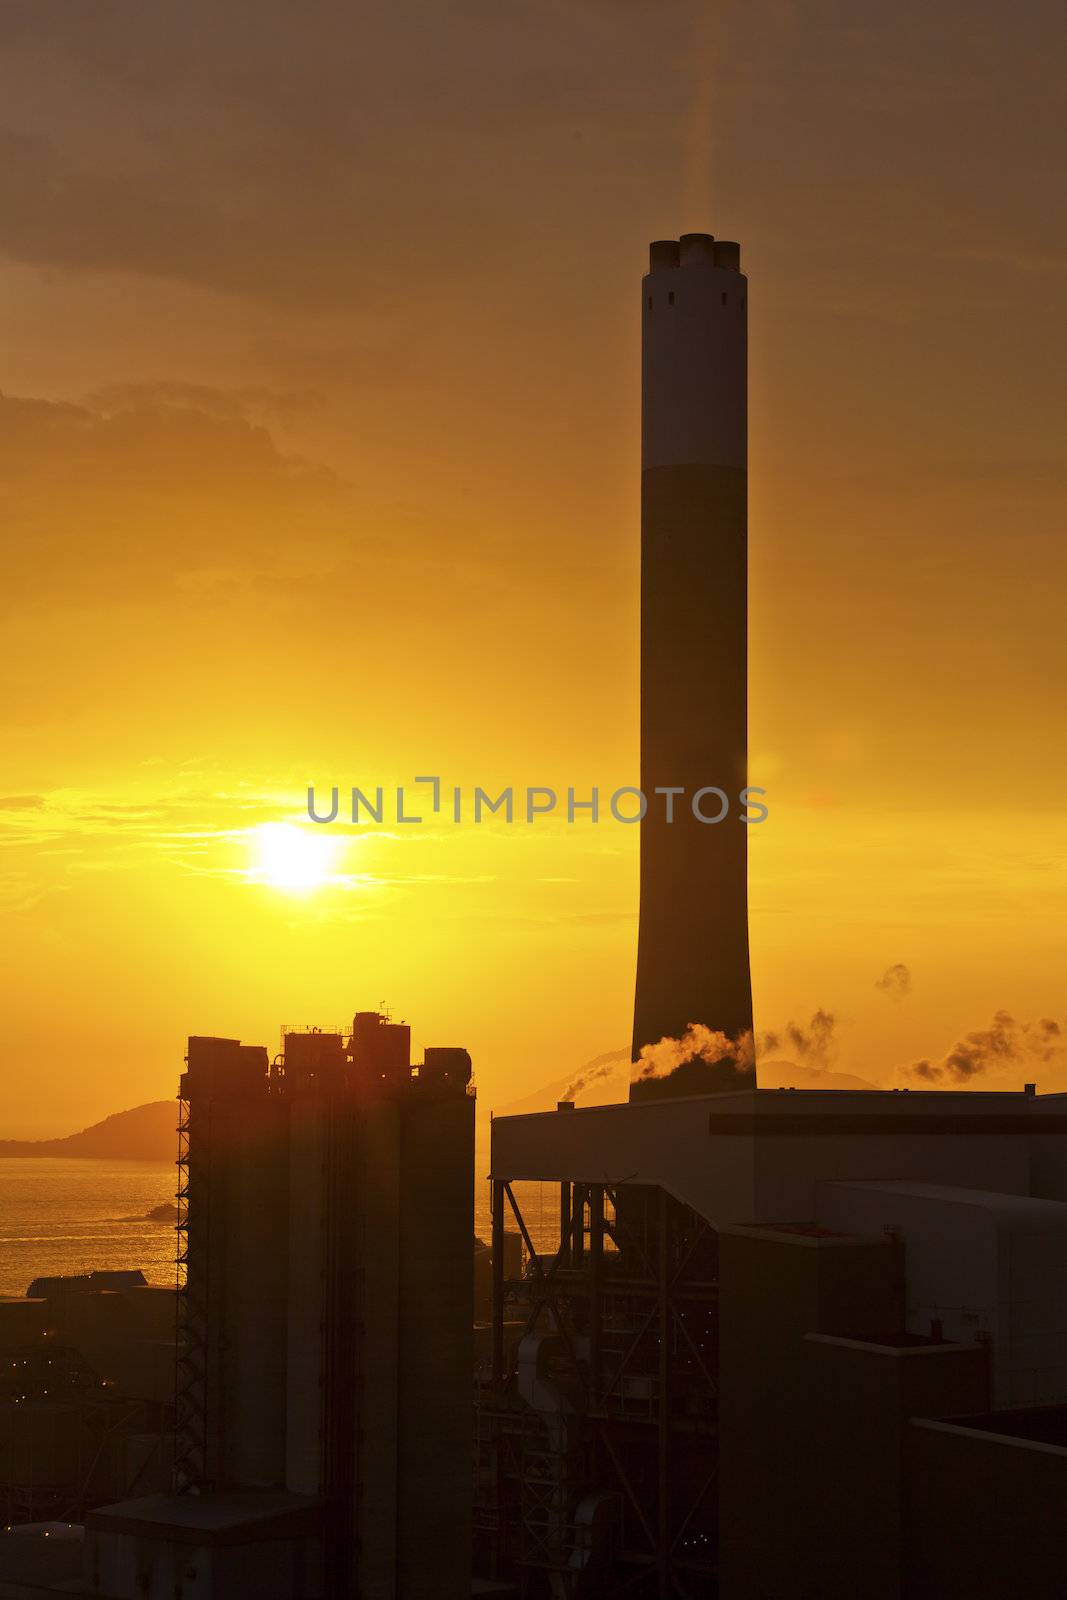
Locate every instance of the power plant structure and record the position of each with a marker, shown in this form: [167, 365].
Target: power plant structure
[86, 1394]
[692, 957]
[324, 1433]
[780, 1335]
[787, 1343]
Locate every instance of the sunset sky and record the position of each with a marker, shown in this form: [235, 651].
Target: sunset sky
[318, 463]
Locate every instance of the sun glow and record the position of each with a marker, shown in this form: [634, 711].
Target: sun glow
[292, 858]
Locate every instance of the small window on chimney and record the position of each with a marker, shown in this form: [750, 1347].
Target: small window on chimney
[724, 297]
[670, 298]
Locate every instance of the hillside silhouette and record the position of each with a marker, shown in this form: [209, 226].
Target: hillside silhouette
[144, 1133]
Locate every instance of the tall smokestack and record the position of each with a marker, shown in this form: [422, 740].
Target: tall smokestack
[692, 961]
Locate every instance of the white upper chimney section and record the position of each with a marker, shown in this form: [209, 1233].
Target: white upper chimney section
[694, 359]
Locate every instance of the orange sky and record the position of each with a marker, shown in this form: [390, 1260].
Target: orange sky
[318, 462]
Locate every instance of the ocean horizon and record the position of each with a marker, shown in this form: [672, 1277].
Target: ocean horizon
[64, 1215]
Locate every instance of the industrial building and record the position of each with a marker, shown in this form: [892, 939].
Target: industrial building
[764, 1309]
[86, 1394]
[781, 1337]
[324, 1430]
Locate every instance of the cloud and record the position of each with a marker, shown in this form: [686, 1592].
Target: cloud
[122, 500]
[895, 981]
[60, 213]
[332, 146]
[262, 404]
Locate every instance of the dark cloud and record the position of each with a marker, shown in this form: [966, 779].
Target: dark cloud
[146, 440]
[895, 981]
[250, 404]
[313, 154]
[56, 212]
[127, 497]
[172, 571]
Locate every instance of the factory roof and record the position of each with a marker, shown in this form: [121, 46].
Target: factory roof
[755, 1154]
[224, 1517]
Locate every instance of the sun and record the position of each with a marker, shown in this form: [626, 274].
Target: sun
[292, 858]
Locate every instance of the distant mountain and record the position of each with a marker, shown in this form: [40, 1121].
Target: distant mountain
[144, 1133]
[602, 1081]
[788, 1075]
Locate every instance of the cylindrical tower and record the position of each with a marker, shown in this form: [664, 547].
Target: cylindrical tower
[692, 963]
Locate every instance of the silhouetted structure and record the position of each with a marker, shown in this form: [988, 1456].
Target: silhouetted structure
[712, 1384]
[692, 964]
[324, 1427]
[785, 1337]
[86, 1394]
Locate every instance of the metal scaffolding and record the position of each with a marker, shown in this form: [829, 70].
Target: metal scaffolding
[597, 1427]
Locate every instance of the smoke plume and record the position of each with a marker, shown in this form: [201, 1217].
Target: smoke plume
[813, 1044]
[599, 1067]
[698, 1043]
[1006, 1045]
[895, 981]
